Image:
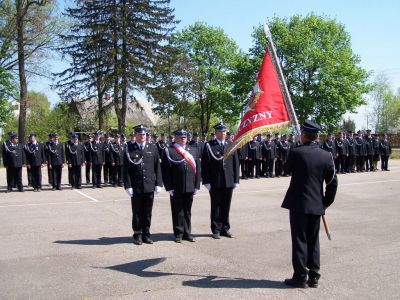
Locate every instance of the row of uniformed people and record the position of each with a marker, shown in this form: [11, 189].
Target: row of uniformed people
[358, 152]
[180, 170]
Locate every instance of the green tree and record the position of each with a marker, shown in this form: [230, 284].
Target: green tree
[199, 83]
[348, 125]
[324, 76]
[385, 112]
[7, 90]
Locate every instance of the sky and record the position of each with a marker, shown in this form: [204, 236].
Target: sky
[374, 28]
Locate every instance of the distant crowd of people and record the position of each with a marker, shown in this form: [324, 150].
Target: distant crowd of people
[101, 155]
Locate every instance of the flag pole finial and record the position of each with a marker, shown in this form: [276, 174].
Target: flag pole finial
[267, 31]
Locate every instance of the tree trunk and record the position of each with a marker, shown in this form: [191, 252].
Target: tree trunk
[101, 106]
[116, 64]
[23, 94]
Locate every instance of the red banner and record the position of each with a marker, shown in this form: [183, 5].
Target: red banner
[266, 109]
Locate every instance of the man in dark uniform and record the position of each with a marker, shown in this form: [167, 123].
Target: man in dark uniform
[161, 144]
[361, 151]
[75, 154]
[46, 152]
[342, 153]
[35, 160]
[269, 155]
[278, 161]
[107, 159]
[97, 158]
[67, 143]
[243, 160]
[330, 145]
[56, 161]
[142, 178]
[195, 142]
[310, 167]
[377, 152]
[254, 157]
[369, 143]
[86, 147]
[284, 149]
[220, 176]
[13, 161]
[386, 151]
[117, 151]
[351, 158]
[181, 177]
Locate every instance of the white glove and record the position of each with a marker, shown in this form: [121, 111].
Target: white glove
[157, 189]
[208, 186]
[171, 192]
[236, 185]
[129, 192]
[195, 191]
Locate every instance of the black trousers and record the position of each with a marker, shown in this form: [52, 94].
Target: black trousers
[87, 172]
[14, 177]
[369, 163]
[243, 168]
[70, 176]
[50, 176]
[116, 174]
[220, 207]
[107, 172]
[350, 162]
[142, 207]
[270, 167]
[29, 175]
[96, 174]
[253, 164]
[360, 163]
[340, 163]
[278, 167]
[56, 174]
[76, 176]
[384, 162]
[305, 245]
[181, 208]
[36, 177]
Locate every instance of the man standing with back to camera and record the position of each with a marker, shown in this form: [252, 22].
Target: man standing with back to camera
[310, 167]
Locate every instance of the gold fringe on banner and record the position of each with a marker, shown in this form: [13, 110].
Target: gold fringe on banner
[248, 136]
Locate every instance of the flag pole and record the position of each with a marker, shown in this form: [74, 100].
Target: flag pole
[285, 91]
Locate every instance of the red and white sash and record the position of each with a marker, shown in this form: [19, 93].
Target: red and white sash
[186, 155]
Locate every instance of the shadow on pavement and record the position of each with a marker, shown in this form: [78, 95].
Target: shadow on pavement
[138, 268]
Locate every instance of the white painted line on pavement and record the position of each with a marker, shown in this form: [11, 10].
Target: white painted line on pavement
[47, 203]
[87, 196]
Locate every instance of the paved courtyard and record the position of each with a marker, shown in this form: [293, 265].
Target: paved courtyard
[74, 244]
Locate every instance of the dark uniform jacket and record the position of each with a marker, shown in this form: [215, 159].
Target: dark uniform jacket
[161, 145]
[269, 150]
[360, 146]
[107, 153]
[351, 146]
[199, 145]
[86, 147]
[117, 153]
[75, 154]
[220, 173]
[385, 148]
[178, 175]
[242, 152]
[369, 143]
[330, 146]
[283, 148]
[254, 150]
[97, 152]
[35, 155]
[341, 146]
[13, 155]
[142, 170]
[310, 166]
[55, 154]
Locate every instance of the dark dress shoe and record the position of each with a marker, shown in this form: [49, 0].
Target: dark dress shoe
[99, 187]
[53, 189]
[216, 236]
[147, 240]
[35, 190]
[8, 191]
[137, 240]
[178, 240]
[227, 234]
[21, 190]
[59, 188]
[312, 282]
[39, 190]
[189, 238]
[295, 283]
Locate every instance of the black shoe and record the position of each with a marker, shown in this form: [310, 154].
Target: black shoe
[114, 185]
[59, 188]
[216, 236]
[227, 234]
[178, 240]
[137, 240]
[35, 190]
[39, 190]
[189, 238]
[147, 240]
[295, 283]
[8, 191]
[53, 189]
[93, 187]
[21, 190]
[99, 187]
[79, 187]
[312, 282]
